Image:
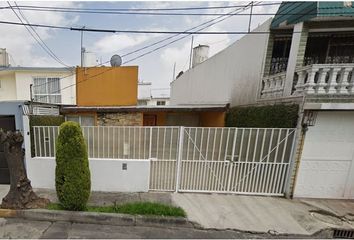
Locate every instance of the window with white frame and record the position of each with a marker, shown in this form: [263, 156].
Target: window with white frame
[83, 120]
[46, 89]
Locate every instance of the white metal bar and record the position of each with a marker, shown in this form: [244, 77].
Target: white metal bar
[221, 140]
[282, 160]
[274, 175]
[232, 158]
[213, 151]
[266, 183]
[195, 140]
[164, 144]
[54, 140]
[35, 141]
[150, 142]
[245, 182]
[179, 159]
[239, 165]
[254, 175]
[227, 144]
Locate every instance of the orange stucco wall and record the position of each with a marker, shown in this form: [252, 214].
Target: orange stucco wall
[212, 119]
[107, 86]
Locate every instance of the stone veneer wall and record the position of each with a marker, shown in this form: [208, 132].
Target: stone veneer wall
[119, 119]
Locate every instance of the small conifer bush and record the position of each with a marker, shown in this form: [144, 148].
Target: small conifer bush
[72, 173]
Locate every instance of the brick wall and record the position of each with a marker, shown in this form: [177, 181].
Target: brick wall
[119, 119]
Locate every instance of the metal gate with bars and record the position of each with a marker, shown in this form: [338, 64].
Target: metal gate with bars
[192, 159]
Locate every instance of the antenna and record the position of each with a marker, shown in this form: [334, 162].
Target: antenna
[116, 60]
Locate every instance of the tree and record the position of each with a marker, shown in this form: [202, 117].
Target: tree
[72, 173]
[21, 194]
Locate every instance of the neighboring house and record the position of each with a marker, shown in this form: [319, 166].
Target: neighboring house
[108, 96]
[147, 96]
[49, 84]
[14, 116]
[307, 59]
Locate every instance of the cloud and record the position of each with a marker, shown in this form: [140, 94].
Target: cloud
[118, 42]
[19, 43]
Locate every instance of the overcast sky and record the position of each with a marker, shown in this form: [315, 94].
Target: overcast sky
[156, 67]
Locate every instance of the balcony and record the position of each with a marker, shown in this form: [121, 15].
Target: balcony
[315, 79]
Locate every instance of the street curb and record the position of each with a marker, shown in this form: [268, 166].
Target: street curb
[97, 218]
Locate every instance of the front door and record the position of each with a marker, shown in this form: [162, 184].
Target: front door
[149, 120]
[7, 123]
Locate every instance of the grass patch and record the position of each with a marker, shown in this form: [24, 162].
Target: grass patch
[136, 208]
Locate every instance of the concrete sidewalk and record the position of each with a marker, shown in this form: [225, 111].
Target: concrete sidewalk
[266, 214]
[239, 212]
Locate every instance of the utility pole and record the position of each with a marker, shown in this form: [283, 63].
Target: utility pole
[249, 23]
[190, 55]
[82, 49]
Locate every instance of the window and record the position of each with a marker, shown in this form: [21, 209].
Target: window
[82, 120]
[160, 103]
[46, 89]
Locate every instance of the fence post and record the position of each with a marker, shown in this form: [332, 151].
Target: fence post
[179, 157]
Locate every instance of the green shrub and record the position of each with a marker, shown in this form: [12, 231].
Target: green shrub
[43, 121]
[271, 116]
[72, 173]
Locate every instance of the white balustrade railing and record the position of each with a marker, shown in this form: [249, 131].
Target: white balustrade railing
[273, 85]
[316, 79]
[325, 79]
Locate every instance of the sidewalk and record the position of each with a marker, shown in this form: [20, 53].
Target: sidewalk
[266, 214]
[253, 214]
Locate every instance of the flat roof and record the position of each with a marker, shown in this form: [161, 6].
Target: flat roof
[165, 108]
[52, 69]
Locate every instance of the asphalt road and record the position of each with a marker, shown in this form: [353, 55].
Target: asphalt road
[21, 228]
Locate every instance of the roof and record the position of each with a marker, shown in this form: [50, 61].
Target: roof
[295, 12]
[48, 69]
[166, 108]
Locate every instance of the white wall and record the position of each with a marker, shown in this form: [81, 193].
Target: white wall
[25, 79]
[231, 76]
[106, 174]
[144, 91]
[7, 87]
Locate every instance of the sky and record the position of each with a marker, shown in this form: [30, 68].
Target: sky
[156, 67]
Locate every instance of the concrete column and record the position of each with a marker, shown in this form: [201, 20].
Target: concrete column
[296, 55]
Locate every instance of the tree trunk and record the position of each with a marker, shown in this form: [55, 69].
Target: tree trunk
[21, 195]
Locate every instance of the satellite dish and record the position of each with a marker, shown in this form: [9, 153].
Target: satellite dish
[116, 60]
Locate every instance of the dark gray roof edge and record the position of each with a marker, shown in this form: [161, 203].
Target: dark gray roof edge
[60, 69]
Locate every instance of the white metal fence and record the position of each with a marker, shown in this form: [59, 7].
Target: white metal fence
[192, 159]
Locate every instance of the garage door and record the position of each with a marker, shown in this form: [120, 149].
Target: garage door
[326, 169]
[6, 123]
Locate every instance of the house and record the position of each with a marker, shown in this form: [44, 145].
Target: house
[152, 97]
[14, 116]
[108, 96]
[304, 55]
[41, 84]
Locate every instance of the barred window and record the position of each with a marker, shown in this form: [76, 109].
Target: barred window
[46, 89]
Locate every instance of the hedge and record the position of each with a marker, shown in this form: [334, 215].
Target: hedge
[271, 116]
[72, 173]
[43, 121]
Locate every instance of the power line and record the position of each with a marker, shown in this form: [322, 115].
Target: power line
[39, 37]
[133, 31]
[141, 9]
[46, 48]
[168, 38]
[146, 53]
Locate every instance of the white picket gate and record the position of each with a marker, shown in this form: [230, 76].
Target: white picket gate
[192, 159]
